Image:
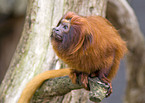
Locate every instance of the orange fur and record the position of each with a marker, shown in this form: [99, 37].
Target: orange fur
[94, 44]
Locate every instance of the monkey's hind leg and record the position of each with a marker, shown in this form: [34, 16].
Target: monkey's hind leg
[73, 76]
[102, 75]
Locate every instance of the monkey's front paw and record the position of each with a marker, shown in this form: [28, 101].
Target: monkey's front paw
[73, 77]
[84, 80]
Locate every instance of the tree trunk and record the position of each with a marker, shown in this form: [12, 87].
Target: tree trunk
[123, 17]
[34, 52]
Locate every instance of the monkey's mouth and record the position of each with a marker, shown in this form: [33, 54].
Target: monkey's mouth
[57, 36]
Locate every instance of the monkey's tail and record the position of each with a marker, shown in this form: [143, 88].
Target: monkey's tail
[37, 81]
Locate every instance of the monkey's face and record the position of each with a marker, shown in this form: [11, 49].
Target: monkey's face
[70, 35]
[61, 30]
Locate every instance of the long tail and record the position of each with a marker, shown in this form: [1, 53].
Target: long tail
[38, 80]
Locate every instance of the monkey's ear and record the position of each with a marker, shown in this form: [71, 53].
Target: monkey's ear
[87, 41]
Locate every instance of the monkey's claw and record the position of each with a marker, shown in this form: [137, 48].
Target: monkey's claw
[84, 80]
[109, 90]
[108, 85]
[73, 77]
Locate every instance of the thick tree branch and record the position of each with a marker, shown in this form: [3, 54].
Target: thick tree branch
[63, 85]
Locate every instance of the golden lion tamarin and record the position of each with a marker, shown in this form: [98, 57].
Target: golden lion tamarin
[89, 45]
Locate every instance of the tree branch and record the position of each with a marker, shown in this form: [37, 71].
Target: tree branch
[62, 85]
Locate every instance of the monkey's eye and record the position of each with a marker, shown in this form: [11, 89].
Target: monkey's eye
[65, 26]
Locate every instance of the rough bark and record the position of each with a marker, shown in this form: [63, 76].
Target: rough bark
[34, 53]
[123, 17]
[62, 85]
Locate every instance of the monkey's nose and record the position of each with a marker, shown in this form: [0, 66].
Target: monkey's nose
[55, 29]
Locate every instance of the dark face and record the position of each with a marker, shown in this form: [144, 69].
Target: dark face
[62, 29]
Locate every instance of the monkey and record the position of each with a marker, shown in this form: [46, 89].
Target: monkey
[89, 45]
